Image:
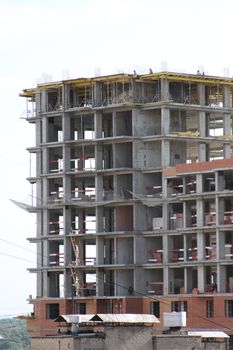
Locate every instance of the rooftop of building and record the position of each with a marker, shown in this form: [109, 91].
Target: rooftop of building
[125, 77]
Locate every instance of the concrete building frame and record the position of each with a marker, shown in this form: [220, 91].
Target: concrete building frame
[133, 177]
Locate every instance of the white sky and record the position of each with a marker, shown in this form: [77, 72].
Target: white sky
[79, 37]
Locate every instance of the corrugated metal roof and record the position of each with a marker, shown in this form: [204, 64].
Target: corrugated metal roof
[209, 334]
[125, 318]
[108, 318]
[74, 318]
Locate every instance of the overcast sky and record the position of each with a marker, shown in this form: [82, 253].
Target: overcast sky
[56, 39]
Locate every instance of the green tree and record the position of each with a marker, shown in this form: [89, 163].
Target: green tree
[15, 335]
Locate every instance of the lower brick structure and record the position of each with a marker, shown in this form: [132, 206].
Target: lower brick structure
[186, 342]
[113, 338]
[67, 343]
[127, 338]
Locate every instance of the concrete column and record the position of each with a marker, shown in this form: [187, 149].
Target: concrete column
[201, 94]
[109, 250]
[139, 217]
[139, 155]
[68, 288]
[38, 132]
[188, 280]
[165, 153]
[99, 187]
[66, 157]
[115, 257]
[201, 278]
[99, 250]
[227, 151]
[202, 124]
[199, 183]
[45, 263]
[99, 219]
[227, 130]
[39, 163]
[44, 131]
[219, 203]
[185, 248]
[67, 254]
[65, 96]
[97, 94]
[200, 245]
[38, 103]
[165, 121]
[66, 160]
[171, 281]
[165, 248]
[45, 223]
[165, 190]
[140, 250]
[221, 278]
[166, 216]
[114, 123]
[98, 125]
[226, 96]
[202, 156]
[116, 282]
[45, 191]
[115, 193]
[138, 183]
[39, 193]
[39, 233]
[187, 215]
[67, 188]
[200, 212]
[66, 128]
[165, 280]
[115, 155]
[45, 286]
[39, 250]
[45, 161]
[99, 283]
[219, 181]
[220, 244]
[44, 101]
[139, 280]
[98, 157]
[138, 123]
[39, 284]
[164, 90]
[67, 220]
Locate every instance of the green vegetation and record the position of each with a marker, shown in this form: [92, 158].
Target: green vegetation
[15, 335]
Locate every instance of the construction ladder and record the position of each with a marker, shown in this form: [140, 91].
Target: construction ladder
[75, 271]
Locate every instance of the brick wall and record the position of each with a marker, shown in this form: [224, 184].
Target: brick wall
[184, 342]
[125, 338]
[116, 338]
[128, 338]
[89, 344]
[52, 343]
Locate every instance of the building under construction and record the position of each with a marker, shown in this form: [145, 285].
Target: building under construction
[133, 197]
